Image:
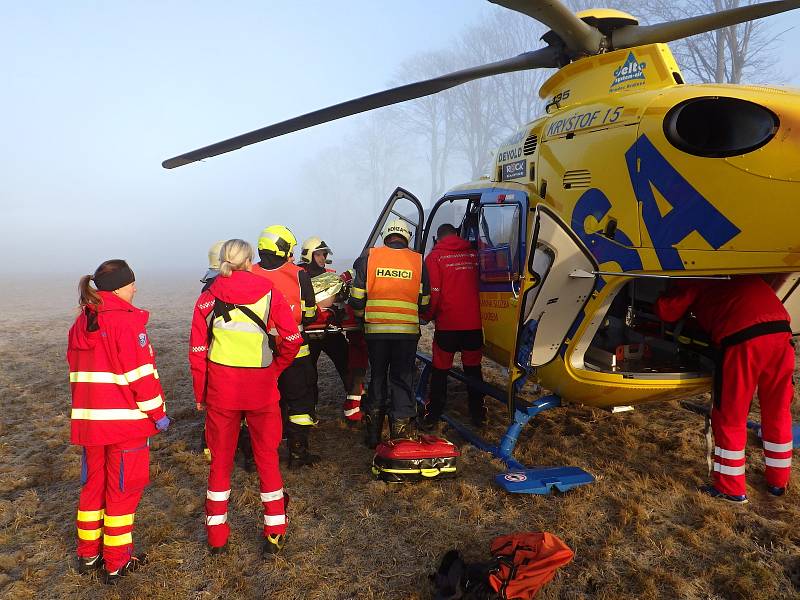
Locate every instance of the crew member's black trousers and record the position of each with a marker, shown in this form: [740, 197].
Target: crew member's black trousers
[336, 347]
[298, 398]
[391, 363]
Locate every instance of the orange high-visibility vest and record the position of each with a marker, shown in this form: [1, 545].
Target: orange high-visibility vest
[394, 282]
[286, 280]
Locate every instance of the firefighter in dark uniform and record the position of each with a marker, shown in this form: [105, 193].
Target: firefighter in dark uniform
[275, 247]
[348, 354]
[391, 287]
[314, 259]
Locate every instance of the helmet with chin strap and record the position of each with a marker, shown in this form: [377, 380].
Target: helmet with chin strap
[311, 245]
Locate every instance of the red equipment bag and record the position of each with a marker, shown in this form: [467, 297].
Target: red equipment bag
[526, 562]
[428, 457]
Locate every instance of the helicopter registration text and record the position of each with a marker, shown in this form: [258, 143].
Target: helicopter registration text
[584, 120]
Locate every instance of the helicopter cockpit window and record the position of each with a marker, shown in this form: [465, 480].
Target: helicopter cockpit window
[498, 243]
[719, 127]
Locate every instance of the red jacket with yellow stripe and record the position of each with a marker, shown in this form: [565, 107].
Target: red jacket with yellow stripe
[116, 394]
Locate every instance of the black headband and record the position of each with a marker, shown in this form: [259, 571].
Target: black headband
[113, 280]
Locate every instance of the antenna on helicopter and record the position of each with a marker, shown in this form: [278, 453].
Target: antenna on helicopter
[571, 38]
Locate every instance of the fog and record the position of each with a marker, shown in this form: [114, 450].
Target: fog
[95, 96]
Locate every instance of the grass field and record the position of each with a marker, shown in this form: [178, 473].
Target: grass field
[640, 531]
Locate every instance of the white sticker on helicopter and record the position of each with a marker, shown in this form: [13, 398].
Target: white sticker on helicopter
[516, 477]
[628, 75]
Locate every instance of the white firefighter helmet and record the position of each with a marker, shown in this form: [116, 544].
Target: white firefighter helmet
[398, 227]
[310, 246]
[213, 261]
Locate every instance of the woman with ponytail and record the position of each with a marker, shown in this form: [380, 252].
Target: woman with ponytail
[243, 336]
[117, 404]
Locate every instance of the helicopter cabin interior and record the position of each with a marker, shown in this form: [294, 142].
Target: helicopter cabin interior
[624, 336]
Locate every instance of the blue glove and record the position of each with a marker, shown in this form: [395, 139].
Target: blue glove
[163, 423]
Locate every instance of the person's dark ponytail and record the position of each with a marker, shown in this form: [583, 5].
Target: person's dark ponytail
[88, 295]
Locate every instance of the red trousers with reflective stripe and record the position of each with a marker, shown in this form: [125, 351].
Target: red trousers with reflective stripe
[222, 435]
[766, 363]
[113, 479]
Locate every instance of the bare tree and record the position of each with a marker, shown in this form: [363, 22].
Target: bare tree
[429, 119]
[380, 158]
[730, 55]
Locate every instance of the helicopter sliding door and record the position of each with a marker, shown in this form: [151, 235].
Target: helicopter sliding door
[559, 286]
[402, 204]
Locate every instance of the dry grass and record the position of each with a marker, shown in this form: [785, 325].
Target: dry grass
[641, 531]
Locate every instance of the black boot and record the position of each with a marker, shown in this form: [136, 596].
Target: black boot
[299, 456]
[373, 427]
[436, 399]
[401, 429]
[477, 407]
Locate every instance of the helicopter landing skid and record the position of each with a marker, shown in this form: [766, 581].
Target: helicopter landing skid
[519, 479]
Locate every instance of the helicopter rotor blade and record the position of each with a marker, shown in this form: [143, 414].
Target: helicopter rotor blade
[579, 36]
[638, 35]
[539, 59]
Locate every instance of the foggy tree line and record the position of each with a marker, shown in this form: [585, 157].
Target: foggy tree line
[429, 144]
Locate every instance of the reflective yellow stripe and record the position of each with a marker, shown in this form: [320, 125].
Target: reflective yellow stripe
[423, 472]
[395, 303]
[117, 540]
[150, 404]
[358, 293]
[118, 520]
[403, 318]
[304, 351]
[91, 515]
[426, 300]
[90, 534]
[106, 377]
[391, 328]
[108, 414]
[304, 419]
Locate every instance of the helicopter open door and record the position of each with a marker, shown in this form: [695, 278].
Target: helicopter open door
[559, 283]
[402, 204]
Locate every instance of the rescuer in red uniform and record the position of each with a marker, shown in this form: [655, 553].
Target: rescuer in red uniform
[455, 307]
[348, 354]
[117, 404]
[750, 328]
[275, 248]
[235, 369]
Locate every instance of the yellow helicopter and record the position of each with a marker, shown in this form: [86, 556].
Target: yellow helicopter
[630, 179]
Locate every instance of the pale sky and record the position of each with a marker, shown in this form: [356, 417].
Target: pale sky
[95, 95]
